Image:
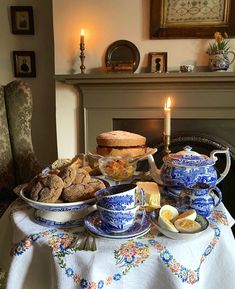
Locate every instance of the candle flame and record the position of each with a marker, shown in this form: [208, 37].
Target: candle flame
[168, 103]
[82, 32]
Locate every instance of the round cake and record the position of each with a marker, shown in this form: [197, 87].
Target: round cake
[120, 143]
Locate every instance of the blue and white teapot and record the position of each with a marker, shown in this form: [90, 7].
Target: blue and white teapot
[187, 168]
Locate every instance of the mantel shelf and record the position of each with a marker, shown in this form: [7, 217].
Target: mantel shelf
[125, 78]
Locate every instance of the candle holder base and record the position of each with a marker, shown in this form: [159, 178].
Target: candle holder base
[82, 57]
[166, 142]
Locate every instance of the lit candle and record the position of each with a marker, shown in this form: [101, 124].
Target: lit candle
[82, 35]
[167, 117]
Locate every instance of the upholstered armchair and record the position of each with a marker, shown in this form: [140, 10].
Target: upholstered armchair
[18, 163]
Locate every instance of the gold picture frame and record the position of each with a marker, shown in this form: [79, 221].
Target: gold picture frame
[195, 19]
[158, 62]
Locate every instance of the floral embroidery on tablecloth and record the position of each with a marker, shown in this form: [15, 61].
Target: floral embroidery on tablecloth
[131, 254]
[219, 216]
[190, 276]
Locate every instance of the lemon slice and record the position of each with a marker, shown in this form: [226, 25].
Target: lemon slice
[187, 226]
[188, 215]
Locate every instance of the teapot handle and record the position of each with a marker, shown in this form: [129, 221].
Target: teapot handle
[216, 191]
[228, 162]
[232, 52]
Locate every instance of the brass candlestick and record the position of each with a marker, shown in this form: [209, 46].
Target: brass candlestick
[166, 142]
[82, 57]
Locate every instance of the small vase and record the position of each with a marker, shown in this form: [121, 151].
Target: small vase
[219, 60]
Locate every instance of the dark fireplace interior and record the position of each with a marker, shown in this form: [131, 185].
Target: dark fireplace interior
[203, 135]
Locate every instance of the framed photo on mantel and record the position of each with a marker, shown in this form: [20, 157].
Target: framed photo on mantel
[191, 19]
[158, 62]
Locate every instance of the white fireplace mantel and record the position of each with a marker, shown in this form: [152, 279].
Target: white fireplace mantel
[209, 95]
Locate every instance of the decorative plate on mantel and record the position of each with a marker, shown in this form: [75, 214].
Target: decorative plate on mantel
[122, 52]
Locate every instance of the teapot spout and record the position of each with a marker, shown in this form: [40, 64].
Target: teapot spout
[154, 171]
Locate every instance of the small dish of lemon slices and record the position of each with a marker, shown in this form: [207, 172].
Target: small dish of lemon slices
[180, 225]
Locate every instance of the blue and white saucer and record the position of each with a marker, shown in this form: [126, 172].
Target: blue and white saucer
[94, 225]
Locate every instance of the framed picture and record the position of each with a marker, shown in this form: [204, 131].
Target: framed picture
[158, 62]
[24, 63]
[22, 20]
[191, 19]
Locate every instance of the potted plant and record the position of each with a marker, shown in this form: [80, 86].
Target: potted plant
[218, 52]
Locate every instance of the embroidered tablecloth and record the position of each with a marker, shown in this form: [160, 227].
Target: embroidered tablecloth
[37, 257]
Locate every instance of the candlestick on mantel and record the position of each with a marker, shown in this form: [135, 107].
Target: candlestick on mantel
[82, 48]
[167, 126]
[82, 36]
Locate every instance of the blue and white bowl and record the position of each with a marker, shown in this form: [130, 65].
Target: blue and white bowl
[119, 197]
[60, 214]
[118, 221]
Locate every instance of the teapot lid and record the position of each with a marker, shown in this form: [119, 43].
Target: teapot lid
[188, 158]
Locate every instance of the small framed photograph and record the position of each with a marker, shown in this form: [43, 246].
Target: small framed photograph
[24, 63]
[158, 62]
[22, 20]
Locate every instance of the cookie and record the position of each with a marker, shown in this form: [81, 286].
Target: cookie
[82, 177]
[82, 191]
[68, 175]
[45, 188]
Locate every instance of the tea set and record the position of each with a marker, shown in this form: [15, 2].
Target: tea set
[120, 212]
[191, 178]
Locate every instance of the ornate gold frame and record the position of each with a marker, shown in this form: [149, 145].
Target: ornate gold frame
[161, 28]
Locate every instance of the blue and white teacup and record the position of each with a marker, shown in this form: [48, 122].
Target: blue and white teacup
[120, 197]
[202, 197]
[117, 221]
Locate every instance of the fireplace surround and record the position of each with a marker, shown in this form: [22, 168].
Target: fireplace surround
[203, 110]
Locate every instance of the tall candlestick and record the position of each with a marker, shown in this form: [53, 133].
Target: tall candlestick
[167, 126]
[167, 117]
[82, 36]
[82, 48]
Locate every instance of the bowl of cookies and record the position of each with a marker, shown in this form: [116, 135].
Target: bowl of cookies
[63, 194]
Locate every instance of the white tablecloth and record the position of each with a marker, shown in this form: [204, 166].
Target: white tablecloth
[37, 257]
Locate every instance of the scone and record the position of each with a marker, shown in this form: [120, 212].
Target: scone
[45, 188]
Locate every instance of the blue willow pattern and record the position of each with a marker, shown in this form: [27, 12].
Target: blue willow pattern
[129, 256]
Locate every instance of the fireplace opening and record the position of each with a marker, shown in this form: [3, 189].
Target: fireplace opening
[203, 135]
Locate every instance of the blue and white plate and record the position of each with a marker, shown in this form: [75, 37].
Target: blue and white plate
[95, 226]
